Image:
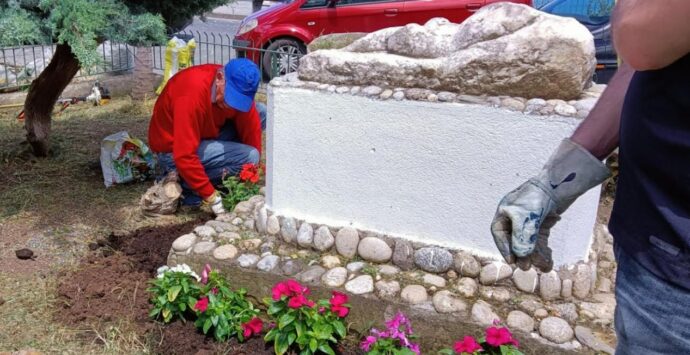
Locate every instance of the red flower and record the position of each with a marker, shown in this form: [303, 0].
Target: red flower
[280, 290]
[254, 326]
[499, 336]
[337, 304]
[298, 301]
[467, 345]
[295, 287]
[250, 173]
[201, 305]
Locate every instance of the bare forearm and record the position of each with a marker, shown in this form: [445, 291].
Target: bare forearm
[651, 34]
[598, 133]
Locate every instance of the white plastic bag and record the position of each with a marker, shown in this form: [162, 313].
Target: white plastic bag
[125, 159]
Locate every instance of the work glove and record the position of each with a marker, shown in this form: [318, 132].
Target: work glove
[215, 202]
[525, 216]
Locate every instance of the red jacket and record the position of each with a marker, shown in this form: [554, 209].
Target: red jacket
[184, 115]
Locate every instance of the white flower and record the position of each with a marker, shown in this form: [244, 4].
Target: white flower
[161, 270]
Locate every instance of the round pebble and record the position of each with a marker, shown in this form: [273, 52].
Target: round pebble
[556, 330]
[414, 294]
[225, 252]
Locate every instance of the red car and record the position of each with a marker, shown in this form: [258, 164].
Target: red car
[287, 27]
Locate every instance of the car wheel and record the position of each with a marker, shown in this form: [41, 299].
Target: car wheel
[282, 57]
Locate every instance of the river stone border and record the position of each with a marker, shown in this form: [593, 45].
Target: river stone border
[383, 267]
[534, 106]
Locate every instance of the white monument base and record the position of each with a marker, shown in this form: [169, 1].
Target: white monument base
[430, 172]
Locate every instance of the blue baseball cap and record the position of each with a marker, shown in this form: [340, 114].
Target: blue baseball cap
[241, 82]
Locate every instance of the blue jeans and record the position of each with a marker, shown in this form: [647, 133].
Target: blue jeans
[221, 156]
[652, 315]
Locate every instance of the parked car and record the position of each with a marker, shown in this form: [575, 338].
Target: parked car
[286, 28]
[595, 15]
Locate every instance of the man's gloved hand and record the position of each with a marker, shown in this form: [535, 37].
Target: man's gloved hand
[215, 202]
[526, 215]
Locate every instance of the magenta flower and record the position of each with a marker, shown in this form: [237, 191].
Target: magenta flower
[367, 343]
[499, 336]
[467, 345]
[205, 273]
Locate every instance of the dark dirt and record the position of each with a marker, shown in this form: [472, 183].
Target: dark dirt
[24, 254]
[111, 284]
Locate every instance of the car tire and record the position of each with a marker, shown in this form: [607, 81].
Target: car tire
[282, 57]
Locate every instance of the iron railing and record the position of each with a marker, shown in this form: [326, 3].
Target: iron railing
[19, 66]
[215, 48]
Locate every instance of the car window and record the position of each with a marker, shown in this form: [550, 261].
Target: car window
[588, 11]
[362, 2]
[314, 3]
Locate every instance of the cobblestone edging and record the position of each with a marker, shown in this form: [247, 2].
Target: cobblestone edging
[534, 106]
[555, 307]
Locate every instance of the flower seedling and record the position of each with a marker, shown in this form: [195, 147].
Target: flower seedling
[395, 340]
[310, 327]
[243, 186]
[497, 341]
[174, 292]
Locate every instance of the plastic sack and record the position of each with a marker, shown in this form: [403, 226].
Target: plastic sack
[178, 55]
[125, 159]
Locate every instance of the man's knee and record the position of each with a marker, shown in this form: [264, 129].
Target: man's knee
[253, 156]
[261, 108]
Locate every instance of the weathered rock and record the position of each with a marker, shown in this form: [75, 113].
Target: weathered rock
[335, 277]
[247, 260]
[372, 90]
[262, 220]
[512, 104]
[360, 285]
[346, 242]
[355, 266]
[434, 280]
[520, 321]
[414, 294]
[305, 235]
[549, 285]
[312, 275]
[250, 244]
[534, 105]
[495, 272]
[184, 242]
[602, 310]
[567, 288]
[582, 282]
[526, 281]
[221, 227]
[228, 237]
[268, 263]
[206, 233]
[342, 89]
[237, 221]
[289, 230]
[541, 313]
[267, 247]
[530, 305]
[498, 294]
[604, 285]
[467, 287]
[374, 249]
[399, 95]
[204, 247]
[243, 208]
[249, 224]
[567, 311]
[433, 259]
[334, 41]
[388, 270]
[483, 314]
[445, 96]
[556, 330]
[403, 255]
[587, 338]
[323, 239]
[386, 94]
[387, 289]
[273, 225]
[225, 252]
[503, 49]
[292, 267]
[466, 265]
[445, 302]
[565, 110]
[330, 261]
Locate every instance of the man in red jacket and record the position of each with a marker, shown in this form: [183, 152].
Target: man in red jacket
[205, 124]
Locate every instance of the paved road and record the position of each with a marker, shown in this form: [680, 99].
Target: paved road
[215, 25]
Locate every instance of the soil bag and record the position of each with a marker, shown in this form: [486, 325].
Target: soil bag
[125, 159]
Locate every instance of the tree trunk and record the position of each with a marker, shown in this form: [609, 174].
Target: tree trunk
[43, 93]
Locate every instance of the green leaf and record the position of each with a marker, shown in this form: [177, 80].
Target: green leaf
[299, 327]
[182, 307]
[291, 338]
[285, 319]
[166, 314]
[281, 345]
[173, 292]
[154, 313]
[340, 329]
[207, 325]
[447, 352]
[326, 349]
[275, 307]
[313, 345]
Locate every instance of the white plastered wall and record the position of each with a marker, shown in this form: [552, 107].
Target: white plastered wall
[426, 171]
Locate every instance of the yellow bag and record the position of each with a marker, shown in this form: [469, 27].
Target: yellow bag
[178, 55]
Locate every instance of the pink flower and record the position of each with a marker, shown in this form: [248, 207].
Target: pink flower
[254, 326]
[467, 345]
[414, 348]
[214, 290]
[201, 305]
[205, 273]
[295, 287]
[367, 343]
[298, 301]
[499, 336]
[340, 311]
[280, 290]
[337, 304]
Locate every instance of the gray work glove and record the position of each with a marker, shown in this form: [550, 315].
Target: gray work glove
[215, 202]
[524, 217]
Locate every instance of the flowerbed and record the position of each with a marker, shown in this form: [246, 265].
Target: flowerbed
[292, 322]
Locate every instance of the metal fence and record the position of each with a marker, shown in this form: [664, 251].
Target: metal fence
[21, 65]
[218, 48]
